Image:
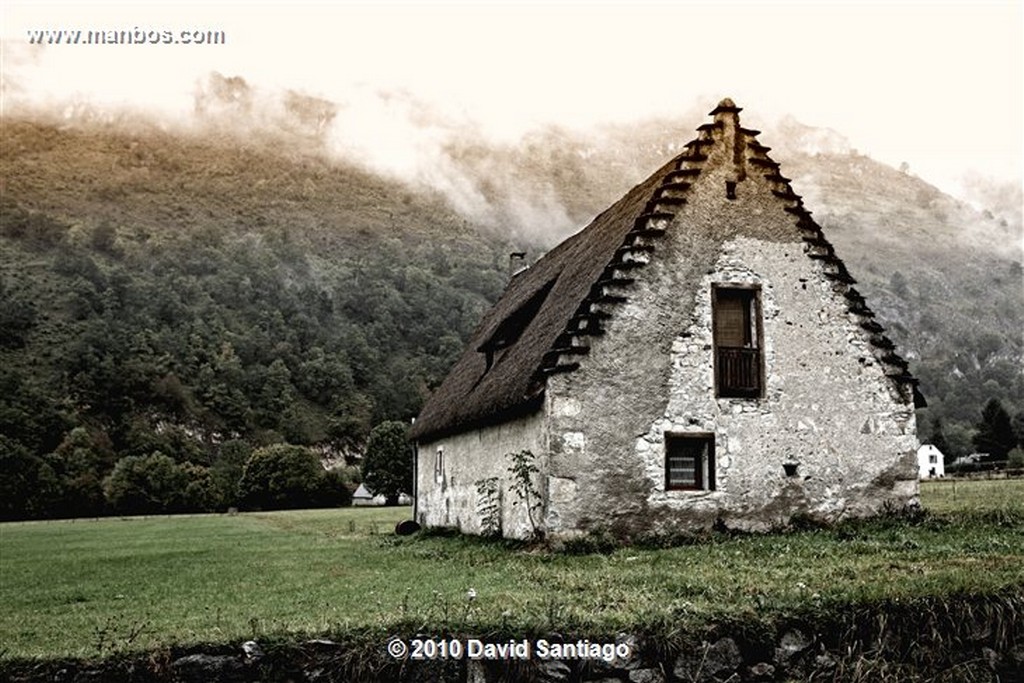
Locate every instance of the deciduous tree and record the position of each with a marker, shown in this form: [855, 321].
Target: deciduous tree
[387, 466]
[146, 484]
[286, 476]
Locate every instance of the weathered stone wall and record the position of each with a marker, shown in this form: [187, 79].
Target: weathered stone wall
[827, 405]
[971, 638]
[469, 458]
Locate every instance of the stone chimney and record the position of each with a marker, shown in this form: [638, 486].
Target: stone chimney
[727, 119]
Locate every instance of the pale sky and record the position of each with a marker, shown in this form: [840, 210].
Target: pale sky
[938, 84]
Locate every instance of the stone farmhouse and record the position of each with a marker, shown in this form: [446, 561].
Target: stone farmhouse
[697, 356]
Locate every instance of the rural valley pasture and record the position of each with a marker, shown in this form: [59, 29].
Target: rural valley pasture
[99, 587]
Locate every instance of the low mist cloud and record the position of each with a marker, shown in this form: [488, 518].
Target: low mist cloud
[537, 186]
[396, 135]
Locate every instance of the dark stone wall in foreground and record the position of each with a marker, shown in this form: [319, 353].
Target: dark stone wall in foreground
[970, 638]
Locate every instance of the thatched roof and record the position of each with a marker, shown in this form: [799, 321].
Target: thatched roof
[542, 321]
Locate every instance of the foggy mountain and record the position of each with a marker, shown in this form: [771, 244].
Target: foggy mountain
[160, 277]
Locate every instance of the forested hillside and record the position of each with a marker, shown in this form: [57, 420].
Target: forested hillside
[170, 294]
[202, 292]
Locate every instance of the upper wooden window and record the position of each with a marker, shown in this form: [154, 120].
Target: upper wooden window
[736, 327]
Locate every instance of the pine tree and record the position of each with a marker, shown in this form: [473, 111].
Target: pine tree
[995, 434]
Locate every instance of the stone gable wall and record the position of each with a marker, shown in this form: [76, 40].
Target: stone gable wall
[827, 404]
[827, 407]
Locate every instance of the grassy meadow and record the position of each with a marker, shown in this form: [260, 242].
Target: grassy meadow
[957, 495]
[92, 588]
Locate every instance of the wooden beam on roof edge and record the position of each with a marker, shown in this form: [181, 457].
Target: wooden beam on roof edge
[681, 175]
[557, 369]
[787, 194]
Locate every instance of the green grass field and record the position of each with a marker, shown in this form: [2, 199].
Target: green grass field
[92, 588]
[952, 495]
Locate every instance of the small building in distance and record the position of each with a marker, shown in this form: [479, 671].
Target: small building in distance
[697, 356]
[930, 462]
[968, 461]
[364, 498]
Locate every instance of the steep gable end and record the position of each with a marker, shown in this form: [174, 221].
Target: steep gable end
[543, 323]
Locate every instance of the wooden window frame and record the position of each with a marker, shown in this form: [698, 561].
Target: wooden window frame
[439, 465]
[705, 479]
[757, 330]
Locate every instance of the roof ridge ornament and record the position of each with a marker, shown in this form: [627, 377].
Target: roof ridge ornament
[725, 106]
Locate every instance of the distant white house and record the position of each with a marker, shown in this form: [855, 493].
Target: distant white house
[364, 497]
[930, 462]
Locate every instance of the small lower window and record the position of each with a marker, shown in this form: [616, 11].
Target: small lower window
[690, 462]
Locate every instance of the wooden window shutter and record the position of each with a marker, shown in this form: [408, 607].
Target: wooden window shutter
[732, 320]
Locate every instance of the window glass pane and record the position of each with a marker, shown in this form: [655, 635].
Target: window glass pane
[682, 470]
[751, 312]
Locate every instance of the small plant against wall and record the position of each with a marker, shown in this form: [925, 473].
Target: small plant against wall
[522, 470]
[488, 506]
